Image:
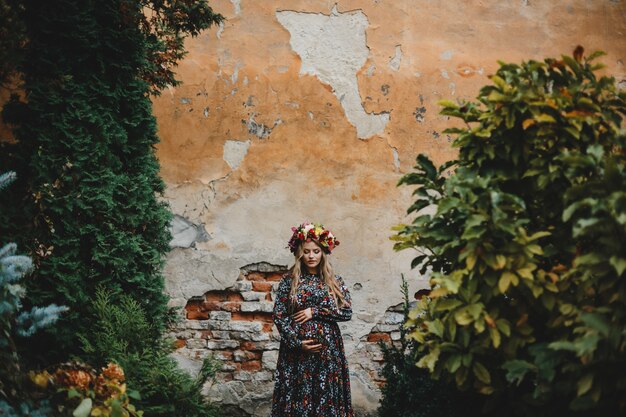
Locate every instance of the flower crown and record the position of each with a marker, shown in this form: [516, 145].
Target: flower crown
[314, 231]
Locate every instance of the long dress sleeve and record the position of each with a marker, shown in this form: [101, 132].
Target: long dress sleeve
[282, 319]
[328, 310]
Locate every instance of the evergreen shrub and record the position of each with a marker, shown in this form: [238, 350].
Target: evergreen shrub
[120, 334]
[88, 208]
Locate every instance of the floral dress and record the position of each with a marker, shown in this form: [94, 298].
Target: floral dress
[311, 384]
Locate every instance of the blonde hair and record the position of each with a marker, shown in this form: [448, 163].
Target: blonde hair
[325, 270]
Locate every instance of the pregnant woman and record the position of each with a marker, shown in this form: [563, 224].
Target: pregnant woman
[312, 377]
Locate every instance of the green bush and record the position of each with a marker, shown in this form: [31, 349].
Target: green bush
[410, 391]
[88, 207]
[123, 334]
[527, 242]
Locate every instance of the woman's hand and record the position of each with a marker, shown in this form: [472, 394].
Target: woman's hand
[309, 346]
[303, 316]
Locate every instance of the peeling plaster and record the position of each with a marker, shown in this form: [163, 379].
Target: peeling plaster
[236, 6]
[419, 114]
[446, 55]
[235, 76]
[333, 48]
[394, 63]
[258, 129]
[185, 233]
[234, 152]
[263, 267]
[396, 159]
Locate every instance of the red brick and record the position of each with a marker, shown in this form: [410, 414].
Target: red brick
[274, 277]
[251, 366]
[211, 306]
[248, 345]
[197, 315]
[216, 296]
[205, 334]
[268, 297]
[252, 356]
[235, 365]
[377, 337]
[267, 327]
[262, 286]
[193, 305]
[227, 354]
[255, 276]
[219, 296]
[231, 306]
[249, 316]
[180, 343]
[234, 296]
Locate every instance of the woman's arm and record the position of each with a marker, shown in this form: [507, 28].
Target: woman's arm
[283, 321]
[327, 309]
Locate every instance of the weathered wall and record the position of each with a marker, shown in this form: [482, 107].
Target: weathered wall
[296, 110]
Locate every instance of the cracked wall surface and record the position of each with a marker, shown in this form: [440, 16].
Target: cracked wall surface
[333, 48]
[313, 110]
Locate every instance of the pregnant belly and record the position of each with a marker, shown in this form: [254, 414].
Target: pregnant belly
[313, 330]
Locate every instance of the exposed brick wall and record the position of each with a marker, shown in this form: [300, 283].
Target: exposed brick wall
[235, 326]
[386, 330]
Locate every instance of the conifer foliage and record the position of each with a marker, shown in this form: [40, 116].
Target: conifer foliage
[86, 137]
[15, 321]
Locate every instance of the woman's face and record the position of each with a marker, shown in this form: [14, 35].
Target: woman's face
[312, 255]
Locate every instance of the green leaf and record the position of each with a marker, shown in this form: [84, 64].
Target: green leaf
[545, 118]
[470, 261]
[427, 166]
[495, 337]
[448, 104]
[447, 304]
[116, 409]
[538, 235]
[453, 363]
[517, 370]
[435, 327]
[526, 272]
[506, 279]
[481, 373]
[496, 96]
[83, 409]
[463, 317]
[535, 249]
[619, 264]
[73, 393]
[594, 55]
[597, 322]
[134, 394]
[504, 326]
[498, 81]
[417, 260]
[584, 384]
[429, 360]
[563, 345]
